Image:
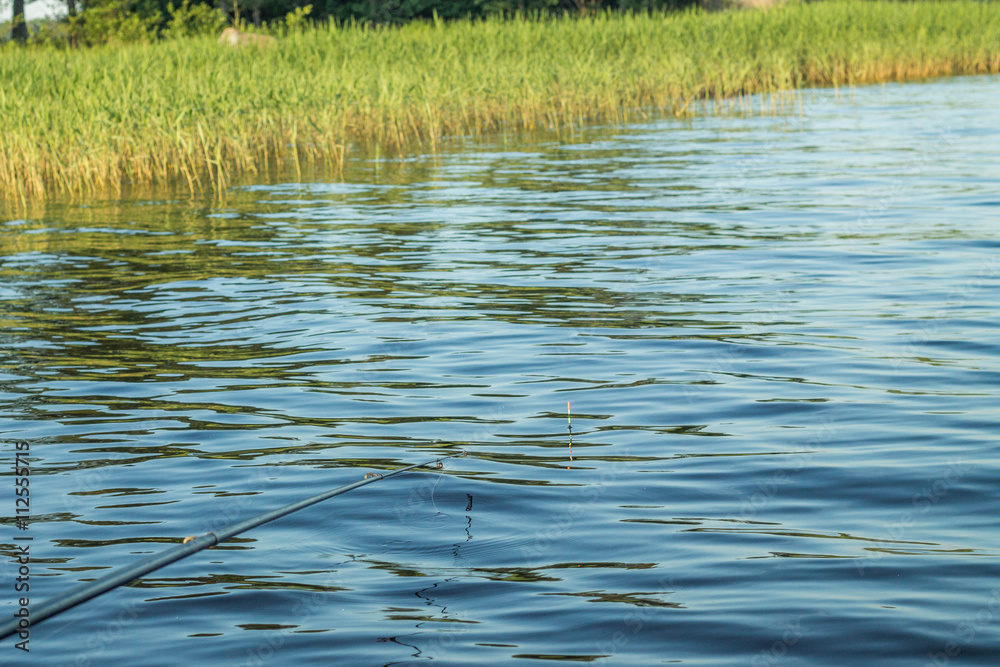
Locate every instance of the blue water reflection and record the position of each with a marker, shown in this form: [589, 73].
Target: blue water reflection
[778, 335]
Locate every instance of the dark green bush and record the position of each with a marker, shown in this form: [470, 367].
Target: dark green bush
[104, 21]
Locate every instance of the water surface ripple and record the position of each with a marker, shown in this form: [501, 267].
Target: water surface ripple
[778, 334]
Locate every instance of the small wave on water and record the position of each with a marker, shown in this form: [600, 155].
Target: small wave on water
[777, 335]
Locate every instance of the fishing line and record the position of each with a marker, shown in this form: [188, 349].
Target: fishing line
[569, 427]
[190, 545]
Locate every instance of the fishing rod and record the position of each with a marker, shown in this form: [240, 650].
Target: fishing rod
[190, 545]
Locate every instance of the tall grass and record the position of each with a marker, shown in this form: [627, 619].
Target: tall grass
[91, 121]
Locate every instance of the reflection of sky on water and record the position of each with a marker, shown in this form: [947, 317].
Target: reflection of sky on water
[777, 333]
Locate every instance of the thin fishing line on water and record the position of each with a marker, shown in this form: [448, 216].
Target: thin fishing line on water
[569, 427]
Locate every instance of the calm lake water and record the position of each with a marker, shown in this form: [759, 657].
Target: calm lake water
[779, 335]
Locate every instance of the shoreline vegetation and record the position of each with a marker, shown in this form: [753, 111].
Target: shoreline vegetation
[201, 115]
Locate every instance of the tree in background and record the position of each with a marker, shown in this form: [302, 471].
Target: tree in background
[19, 27]
[259, 12]
[92, 22]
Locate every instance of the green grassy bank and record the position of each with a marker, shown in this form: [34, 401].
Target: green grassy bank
[190, 110]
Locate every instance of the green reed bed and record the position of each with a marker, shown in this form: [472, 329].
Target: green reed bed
[91, 121]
